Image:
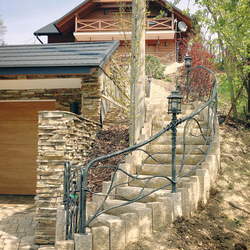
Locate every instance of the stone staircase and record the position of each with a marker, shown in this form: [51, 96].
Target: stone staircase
[124, 224]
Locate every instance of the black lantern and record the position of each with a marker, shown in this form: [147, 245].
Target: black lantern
[174, 103]
[188, 61]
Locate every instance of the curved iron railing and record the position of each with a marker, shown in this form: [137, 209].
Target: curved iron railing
[76, 184]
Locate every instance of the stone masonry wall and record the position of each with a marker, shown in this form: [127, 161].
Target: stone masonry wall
[62, 136]
[63, 97]
[91, 95]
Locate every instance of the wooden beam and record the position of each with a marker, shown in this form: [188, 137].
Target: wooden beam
[113, 101]
[68, 21]
[115, 6]
[172, 20]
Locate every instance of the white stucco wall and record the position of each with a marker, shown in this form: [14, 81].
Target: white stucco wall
[41, 84]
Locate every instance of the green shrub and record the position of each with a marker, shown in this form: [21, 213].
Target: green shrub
[157, 69]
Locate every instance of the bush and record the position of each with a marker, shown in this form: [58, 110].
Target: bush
[200, 51]
[157, 69]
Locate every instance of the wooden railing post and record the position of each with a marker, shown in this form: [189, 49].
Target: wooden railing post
[76, 26]
[172, 20]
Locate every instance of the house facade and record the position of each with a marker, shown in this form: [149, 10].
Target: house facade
[107, 20]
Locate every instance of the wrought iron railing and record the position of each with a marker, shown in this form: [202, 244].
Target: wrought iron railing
[76, 186]
[196, 84]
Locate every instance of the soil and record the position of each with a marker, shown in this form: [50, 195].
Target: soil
[224, 223]
[114, 136]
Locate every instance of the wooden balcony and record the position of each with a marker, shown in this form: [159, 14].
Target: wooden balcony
[108, 25]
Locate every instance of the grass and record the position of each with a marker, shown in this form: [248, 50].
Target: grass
[238, 223]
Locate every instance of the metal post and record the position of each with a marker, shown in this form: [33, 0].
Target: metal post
[83, 203]
[188, 65]
[174, 132]
[187, 84]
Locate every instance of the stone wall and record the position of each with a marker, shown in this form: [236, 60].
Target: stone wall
[63, 97]
[91, 95]
[62, 136]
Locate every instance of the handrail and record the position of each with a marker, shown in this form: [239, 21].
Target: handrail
[76, 185]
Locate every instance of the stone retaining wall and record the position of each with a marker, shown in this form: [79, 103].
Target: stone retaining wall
[62, 136]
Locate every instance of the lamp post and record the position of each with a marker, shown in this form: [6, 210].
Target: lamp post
[174, 108]
[188, 65]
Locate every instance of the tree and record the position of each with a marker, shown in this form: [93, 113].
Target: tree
[196, 46]
[137, 75]
[2, 32]
[229, 19]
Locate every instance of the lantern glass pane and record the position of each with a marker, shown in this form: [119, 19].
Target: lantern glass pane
[179, 106]
[174, 104]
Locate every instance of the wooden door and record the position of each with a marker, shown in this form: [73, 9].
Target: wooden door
[18, 145]
[151, 49]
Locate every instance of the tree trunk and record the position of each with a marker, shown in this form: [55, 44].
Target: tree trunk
[229, 76]
[137, 90]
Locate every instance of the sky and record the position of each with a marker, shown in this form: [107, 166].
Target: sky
[23, 17]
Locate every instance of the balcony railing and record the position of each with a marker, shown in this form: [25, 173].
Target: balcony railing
[102, 25]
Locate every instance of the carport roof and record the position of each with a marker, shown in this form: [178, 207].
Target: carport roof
[62, 58]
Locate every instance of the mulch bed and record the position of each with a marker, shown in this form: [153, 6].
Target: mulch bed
[110, 139]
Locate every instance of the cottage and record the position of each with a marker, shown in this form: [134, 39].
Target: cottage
[100, 20]
[65, 77]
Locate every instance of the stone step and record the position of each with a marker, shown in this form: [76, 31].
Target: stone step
[167, 118]
[114, 229]
[167, 159]
[121, 208]
[164, 105]
[137, 216]
[161, 169]
[196, 149]
[189, 131]
[189, 140]
[149, 181]
[162, 124]
[134, 192]
[102, 219]
[158, 102]
[158, 112]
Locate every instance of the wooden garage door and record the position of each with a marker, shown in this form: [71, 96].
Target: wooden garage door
[18, 145]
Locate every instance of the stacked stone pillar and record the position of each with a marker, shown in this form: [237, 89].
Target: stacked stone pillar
[62, 136]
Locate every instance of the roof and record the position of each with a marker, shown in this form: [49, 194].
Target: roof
[48, 29]
[53, 28]
[62, 58]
